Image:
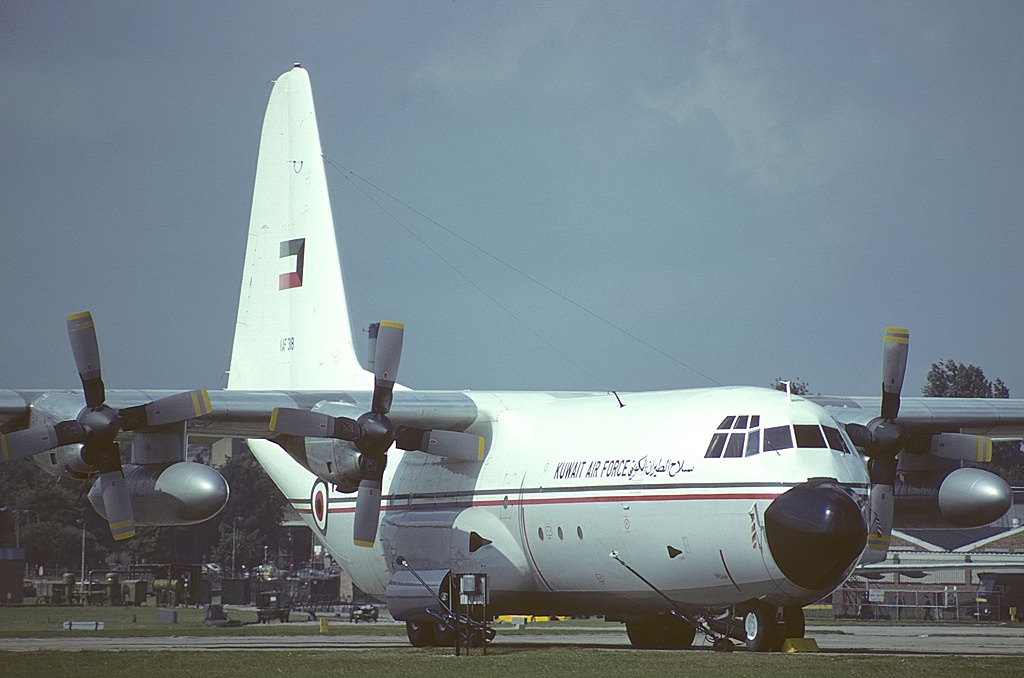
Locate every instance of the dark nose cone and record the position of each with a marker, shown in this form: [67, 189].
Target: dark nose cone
[815, 532]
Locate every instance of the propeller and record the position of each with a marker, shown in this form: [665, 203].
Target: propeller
[882, 440]
[373, 433]
[97, 425]
[889, 436]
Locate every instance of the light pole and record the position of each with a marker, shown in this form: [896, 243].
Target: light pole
[234, 528]
[82, 518]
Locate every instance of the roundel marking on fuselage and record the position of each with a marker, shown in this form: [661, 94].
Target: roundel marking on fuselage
[318, 505]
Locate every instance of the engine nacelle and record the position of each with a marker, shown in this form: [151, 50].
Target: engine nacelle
[184, 493]
[336, 462]
[966, 497]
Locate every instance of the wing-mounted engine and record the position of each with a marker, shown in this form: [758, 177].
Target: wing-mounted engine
[333, 460]
[76, 436]
[349, 449]
[915, 474]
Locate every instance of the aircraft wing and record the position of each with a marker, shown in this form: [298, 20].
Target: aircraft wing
[991, 417]
[246, 414]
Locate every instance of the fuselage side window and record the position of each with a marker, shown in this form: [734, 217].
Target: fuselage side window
[735, 446]
[835, 439]
[777, 438]
[741, 422]
[753, 443]
[716, 446]
[755, 420]
[726, 424]
[809, 435]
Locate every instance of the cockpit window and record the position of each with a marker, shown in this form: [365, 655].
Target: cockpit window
[809, 435]
[777, 438]
[738, 436]
[734, 448]
[835, 439]
[753, 443]
[716, 446]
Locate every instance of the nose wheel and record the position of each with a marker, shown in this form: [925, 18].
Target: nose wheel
[766, 628]
[761, 629]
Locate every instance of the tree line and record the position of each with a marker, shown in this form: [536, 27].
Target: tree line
[47, 516]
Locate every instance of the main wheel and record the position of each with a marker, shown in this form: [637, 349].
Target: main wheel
[760, 627]
[444, 635]
[421, 634]
[660, 631]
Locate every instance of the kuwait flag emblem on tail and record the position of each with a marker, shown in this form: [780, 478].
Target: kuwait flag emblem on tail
[292, 248]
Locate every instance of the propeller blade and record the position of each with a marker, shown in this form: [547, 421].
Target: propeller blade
[883, 502]
[387, 354]
[170, 410]
[364, 526]
[313, 424]
[961, 446]
[25, 443]
[82, 332]
[895, 346]
[885, 440]
[452, 445]
[117, 504]
[371, 345]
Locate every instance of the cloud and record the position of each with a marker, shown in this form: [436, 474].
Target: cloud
[494, 55]
[738, 83]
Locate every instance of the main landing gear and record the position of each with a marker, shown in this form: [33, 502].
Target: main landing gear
[663, 631]
[437, 634]
[759, 626]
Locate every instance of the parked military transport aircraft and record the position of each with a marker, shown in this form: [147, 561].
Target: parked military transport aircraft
[718, 510]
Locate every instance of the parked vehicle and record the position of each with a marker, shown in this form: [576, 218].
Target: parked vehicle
[272, 605]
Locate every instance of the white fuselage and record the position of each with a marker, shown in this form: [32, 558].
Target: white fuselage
[570, 478]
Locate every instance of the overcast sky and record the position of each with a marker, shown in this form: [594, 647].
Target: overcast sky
[749, 190]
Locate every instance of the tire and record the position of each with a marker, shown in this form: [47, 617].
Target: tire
[660, 631]
[793, 622]
[760, 627]
[421, 634]
[641, 632]
[444, 636]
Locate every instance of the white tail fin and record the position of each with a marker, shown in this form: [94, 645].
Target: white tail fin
[293, 328]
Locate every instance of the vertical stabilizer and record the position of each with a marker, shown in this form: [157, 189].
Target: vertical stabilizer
[293, 329]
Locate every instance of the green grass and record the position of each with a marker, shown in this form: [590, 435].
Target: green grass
[499, 661]
[45, 621]
[534, 659]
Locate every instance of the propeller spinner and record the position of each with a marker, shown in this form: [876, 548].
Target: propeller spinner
[97, 425]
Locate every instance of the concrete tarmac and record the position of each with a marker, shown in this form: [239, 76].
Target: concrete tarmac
[872, 639]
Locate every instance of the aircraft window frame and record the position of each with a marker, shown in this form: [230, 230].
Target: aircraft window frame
[726, 423]
[716, 446]
[753, 443]
[735, 445]
[755, 421]
[741, 422]
[837, 444]
[809, 437]
[773, 441]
